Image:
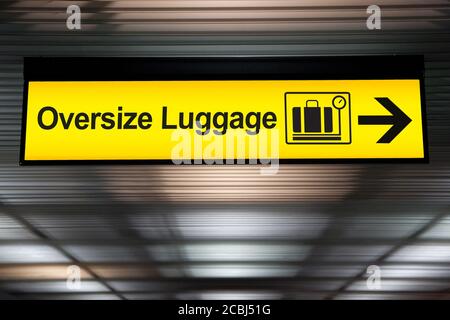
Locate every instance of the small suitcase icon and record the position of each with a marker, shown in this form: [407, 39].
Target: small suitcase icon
[313, 118]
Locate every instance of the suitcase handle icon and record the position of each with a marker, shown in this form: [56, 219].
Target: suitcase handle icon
[308, 103]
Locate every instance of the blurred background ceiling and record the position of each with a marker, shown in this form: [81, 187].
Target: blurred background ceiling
[148, 232]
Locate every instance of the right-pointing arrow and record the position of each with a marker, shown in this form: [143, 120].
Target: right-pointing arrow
[398, 119]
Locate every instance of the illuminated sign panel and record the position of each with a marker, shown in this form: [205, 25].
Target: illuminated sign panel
[220, 113]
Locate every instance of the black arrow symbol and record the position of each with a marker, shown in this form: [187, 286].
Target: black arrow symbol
[398, 119]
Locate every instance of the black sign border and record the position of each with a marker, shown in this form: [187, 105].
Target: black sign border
[378, 67]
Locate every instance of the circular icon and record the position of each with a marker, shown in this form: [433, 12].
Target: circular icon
[339, 102]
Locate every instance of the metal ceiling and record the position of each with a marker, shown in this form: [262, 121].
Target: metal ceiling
[145, 232]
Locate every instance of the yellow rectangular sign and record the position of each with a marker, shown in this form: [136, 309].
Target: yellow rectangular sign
[223, 119]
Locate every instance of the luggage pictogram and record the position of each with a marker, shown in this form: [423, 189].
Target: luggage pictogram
[318, 117]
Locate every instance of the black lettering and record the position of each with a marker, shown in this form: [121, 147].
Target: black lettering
[269, 117]
[238, 122]
[94, 118]
[66, 123]
[41, 115]
[206, 126]
[145, 120]
[164, 120]
[108, 120]
[190, 123]
[48, 118]
[131, 116]
[220, 125]
[255, 125]
[119, 118]
[82, 121]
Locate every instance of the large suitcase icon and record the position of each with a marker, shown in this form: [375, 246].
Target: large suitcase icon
[313, 118]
